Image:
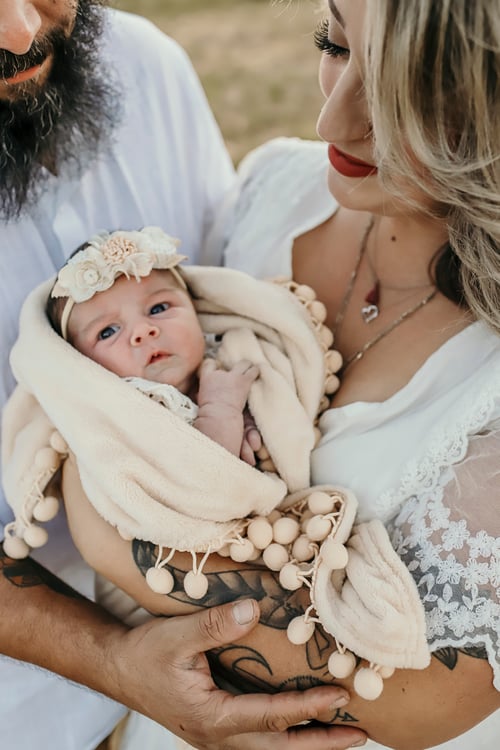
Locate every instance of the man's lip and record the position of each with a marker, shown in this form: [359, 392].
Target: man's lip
[24, 75]
[348, 165]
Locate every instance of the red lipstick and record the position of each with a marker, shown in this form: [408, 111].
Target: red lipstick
[348, 165]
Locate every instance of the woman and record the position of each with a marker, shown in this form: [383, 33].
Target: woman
[404, 254]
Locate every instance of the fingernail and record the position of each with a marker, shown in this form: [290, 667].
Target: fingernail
[342, 700]
[243, 612]
[360, 743]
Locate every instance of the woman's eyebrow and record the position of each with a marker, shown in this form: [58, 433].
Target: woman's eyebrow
[336, 13]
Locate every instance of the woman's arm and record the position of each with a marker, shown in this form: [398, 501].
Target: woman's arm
[417, 709]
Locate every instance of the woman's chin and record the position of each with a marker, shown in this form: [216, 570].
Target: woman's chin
[358, 193]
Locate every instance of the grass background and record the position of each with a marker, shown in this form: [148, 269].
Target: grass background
[256, 60]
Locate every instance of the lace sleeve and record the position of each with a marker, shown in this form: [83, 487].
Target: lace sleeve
[449, 539]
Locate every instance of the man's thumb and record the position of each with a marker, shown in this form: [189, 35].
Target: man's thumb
[219, 625]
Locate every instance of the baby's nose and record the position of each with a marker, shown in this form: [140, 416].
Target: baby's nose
[144, 331]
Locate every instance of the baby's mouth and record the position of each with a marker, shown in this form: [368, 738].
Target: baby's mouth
[156, 356]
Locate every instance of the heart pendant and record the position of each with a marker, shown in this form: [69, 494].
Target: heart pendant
[369, 313]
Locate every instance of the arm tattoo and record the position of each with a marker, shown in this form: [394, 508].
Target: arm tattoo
[27, 573]
[449, 656]
[278, 605]
[240, 668]
[248, 671]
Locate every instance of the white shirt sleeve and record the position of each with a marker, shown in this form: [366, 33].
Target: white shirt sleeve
[449, 538]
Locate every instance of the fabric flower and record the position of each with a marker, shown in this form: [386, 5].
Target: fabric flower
[84, 275]
[107, 256]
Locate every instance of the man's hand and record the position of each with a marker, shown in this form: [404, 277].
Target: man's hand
[165, 675]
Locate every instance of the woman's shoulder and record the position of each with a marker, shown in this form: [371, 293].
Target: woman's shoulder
[291, 155]
[286, 171]
[280, 177]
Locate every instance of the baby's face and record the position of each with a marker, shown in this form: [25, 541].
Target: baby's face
[147, 329]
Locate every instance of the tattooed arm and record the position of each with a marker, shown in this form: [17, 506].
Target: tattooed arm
[417, 709]
[45, 622]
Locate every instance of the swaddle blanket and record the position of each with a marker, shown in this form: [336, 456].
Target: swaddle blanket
[156, 478]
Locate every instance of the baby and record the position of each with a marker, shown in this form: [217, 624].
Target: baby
[139, 321]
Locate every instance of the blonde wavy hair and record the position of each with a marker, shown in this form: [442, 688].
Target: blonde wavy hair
[433, 87]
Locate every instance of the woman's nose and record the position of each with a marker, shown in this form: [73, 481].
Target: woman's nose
[142, 332]
[344, 116]
[20, 22]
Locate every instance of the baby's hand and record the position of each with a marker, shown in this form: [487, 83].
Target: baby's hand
[229, 388]
[252, 440]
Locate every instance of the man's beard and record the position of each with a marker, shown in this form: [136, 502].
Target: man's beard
[67, 119]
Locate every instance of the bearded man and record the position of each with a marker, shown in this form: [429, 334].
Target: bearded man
[103, 125]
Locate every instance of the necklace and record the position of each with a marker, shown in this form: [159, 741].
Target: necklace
[370, 311]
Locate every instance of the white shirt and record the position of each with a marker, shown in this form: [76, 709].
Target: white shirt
[425, 460]
[166, 166]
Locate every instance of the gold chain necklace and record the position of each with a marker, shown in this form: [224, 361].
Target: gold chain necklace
[347, 297]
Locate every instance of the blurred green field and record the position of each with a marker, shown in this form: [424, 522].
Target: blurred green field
[256, 60]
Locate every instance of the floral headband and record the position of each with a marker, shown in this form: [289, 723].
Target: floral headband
[109, 255]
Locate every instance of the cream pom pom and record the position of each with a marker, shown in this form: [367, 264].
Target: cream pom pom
[285, 530]
[368, 684]
[15, 547]
[317, 311]
[241, 551]
[35, 536]
[46, 508]
[275, 556]
[289, 577]
[303, 549]
[341, 664]
[260, 532]
[326, 337]
[160, 580]
[334, 554]
[195, 585]
[332, 384]
[305, 292]
[386, 672]
[333, 360]
[320, 502]
[299, 631]
[324, 403]
[318, 528]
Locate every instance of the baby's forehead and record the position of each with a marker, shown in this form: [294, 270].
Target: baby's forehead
[158, 279]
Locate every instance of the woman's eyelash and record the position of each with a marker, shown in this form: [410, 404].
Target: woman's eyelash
[324, 43]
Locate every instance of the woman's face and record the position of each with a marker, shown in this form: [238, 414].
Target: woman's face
[344, 122]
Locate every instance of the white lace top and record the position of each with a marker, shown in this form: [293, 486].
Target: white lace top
[427, 460]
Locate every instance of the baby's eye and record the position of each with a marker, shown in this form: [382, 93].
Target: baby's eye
[159, 308]
[107, 332]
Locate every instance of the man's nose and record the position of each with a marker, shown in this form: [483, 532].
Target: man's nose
[20, 22]
[143, 331]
